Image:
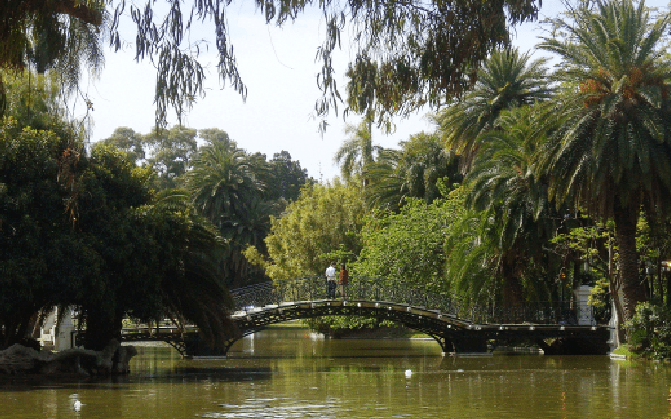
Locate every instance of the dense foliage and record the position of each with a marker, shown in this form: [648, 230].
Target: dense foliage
[322, 225]
[407, 249]
[87, 232]
[236, 190]
[611, 153]
[532, 184]
[650, 331]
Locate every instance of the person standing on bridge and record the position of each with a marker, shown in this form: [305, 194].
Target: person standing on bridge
[343, 280]
[331, 281]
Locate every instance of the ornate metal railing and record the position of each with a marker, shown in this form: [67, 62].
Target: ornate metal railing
[374, 289]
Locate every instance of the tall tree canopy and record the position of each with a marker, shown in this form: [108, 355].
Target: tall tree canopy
[507, 79]
[412, 171]
[45, 34]
[357, 152]
[407, 249]
[322, 225]
[170, 152]
[84, 231]
[409, 53]
[612, 154]
[128, 141]
[227, 186]
[287, 177]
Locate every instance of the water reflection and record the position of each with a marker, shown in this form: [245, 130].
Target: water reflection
[291, 374]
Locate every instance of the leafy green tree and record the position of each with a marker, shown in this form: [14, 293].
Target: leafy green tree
[83, 231]
[471, 260]
[287, 177]
[224, 180]
[186, 277]
[426, 50]
[413, 54]
[34, 100]
[504, 189]
[39, 159]
[128, 141]
[407, 249]
[59, 35]
[322, 225]
[157, 258]
[32, 220]
[117, 255]
[649, 331]
[612, 155]
[387, 178]
[590, 245]
[425, 161]
[507, 79]
[170, 153]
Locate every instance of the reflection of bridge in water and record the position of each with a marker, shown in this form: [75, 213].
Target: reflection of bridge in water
[456, 324]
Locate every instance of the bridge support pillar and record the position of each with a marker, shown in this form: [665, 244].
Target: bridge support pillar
[596, 344]
[460, 343]
[196, 347]
[445, 342]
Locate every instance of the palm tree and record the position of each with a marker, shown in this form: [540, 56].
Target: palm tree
[506, 79]
[412, 171]
[226, 185]
[191, 286]
[223, 181]
[612, 154]
[504, 190]
[424, 161]
[386, 180]
[357, 152]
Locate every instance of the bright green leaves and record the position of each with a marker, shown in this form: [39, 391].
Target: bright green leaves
[324, 220]
[407, 249]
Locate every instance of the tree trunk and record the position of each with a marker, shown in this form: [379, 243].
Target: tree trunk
[633, 291]
[513, 293]
[614, 286]
[660, 284]
[101, 328]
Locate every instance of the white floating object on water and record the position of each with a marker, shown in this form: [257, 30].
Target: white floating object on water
[76, 403]
[408, 373]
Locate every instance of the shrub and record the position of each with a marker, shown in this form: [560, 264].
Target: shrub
[649, 331]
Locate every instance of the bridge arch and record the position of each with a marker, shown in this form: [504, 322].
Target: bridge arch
[455, 324]
[446, 329]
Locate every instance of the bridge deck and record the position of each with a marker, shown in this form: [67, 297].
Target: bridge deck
[456, 324]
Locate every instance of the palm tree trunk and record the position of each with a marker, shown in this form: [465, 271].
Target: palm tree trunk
[633, 291]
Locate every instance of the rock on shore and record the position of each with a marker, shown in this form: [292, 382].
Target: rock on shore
[114, 359]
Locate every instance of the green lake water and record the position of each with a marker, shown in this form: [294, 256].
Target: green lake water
[289, 373]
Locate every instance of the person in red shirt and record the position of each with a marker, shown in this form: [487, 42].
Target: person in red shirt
[343, 280]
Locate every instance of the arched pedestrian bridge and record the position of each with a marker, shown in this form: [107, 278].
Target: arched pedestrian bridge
[458, 326]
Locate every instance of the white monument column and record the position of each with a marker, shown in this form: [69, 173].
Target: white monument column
[585, 315]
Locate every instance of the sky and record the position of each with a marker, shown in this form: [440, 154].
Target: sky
[278, 66]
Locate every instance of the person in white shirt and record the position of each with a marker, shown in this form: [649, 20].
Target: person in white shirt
[331, 281]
